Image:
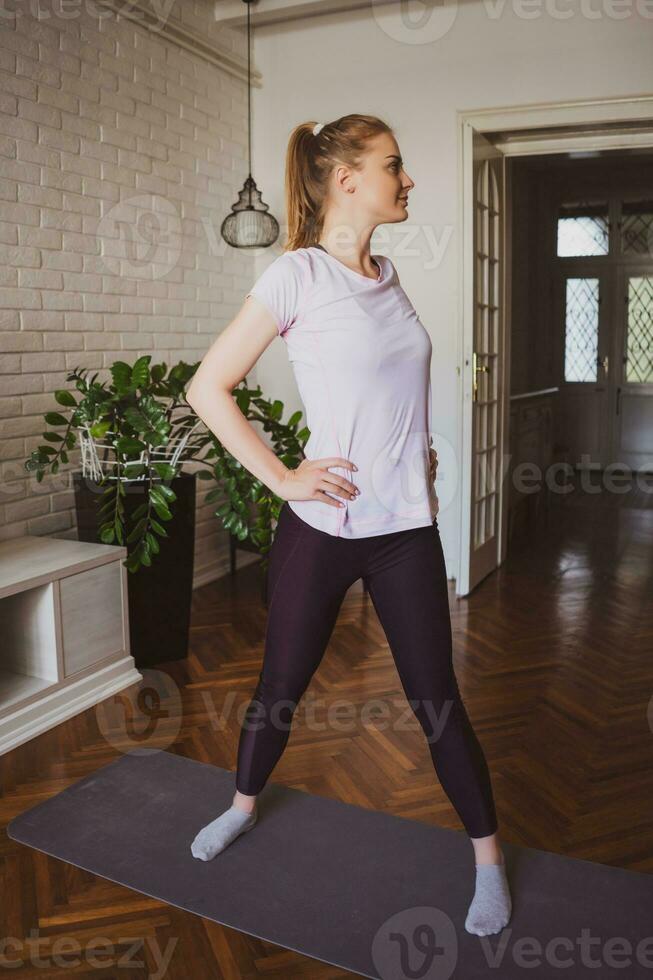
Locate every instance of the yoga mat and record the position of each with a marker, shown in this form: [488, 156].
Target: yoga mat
[379, 895]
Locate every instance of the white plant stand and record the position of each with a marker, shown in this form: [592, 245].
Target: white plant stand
[64, 632]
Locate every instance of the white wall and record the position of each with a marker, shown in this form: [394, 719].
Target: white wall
[473, 56]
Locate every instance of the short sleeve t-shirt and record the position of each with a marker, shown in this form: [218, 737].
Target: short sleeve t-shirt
[361, 360]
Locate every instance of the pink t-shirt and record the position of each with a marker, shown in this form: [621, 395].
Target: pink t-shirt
[361, 360]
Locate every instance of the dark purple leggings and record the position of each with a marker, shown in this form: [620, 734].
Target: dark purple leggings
[309, 573]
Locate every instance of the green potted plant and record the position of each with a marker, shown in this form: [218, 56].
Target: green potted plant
[136, 432]
[248, 507]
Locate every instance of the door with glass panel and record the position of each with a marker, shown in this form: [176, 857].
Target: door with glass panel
[633, 399]
[487, 432]
[604, 297]
[584, 415]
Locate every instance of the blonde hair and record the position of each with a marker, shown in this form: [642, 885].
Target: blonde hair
[309, 162]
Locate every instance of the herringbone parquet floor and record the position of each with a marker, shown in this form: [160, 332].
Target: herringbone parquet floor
[553, 656]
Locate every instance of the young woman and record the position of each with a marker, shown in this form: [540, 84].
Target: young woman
[362, 502]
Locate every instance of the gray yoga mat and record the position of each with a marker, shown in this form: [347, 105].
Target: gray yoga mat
[379, 895]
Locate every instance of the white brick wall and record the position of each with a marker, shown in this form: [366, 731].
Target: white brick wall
[95, 112]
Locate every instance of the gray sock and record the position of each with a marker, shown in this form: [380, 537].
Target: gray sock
[222, 831]
[491, 906]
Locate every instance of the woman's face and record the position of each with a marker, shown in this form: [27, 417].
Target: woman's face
[382, 185]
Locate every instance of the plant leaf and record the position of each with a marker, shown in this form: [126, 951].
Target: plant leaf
[64, 397]
[55, 418]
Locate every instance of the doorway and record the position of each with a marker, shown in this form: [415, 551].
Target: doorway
[595, 332]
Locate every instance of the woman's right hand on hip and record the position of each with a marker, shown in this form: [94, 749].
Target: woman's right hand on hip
[312, 478]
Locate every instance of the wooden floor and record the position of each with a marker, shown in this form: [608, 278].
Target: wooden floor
[553, 656]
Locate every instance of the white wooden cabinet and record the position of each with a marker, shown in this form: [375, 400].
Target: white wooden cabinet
[64, 632]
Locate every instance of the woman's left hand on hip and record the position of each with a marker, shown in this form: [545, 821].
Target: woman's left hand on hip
[433, 463]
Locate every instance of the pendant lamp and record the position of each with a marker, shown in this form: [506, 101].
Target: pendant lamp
[248, 225]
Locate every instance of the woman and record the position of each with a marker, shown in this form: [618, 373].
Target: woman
[362, 502]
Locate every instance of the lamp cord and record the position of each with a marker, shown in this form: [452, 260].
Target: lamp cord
[249, 104]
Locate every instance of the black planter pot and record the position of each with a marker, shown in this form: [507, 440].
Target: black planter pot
[236, 545]
[160, 595]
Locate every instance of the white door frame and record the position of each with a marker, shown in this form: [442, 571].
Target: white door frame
[590, 125]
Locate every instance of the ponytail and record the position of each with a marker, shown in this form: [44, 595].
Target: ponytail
[310, 161]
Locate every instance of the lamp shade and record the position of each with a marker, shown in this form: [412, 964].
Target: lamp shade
[249, 225]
